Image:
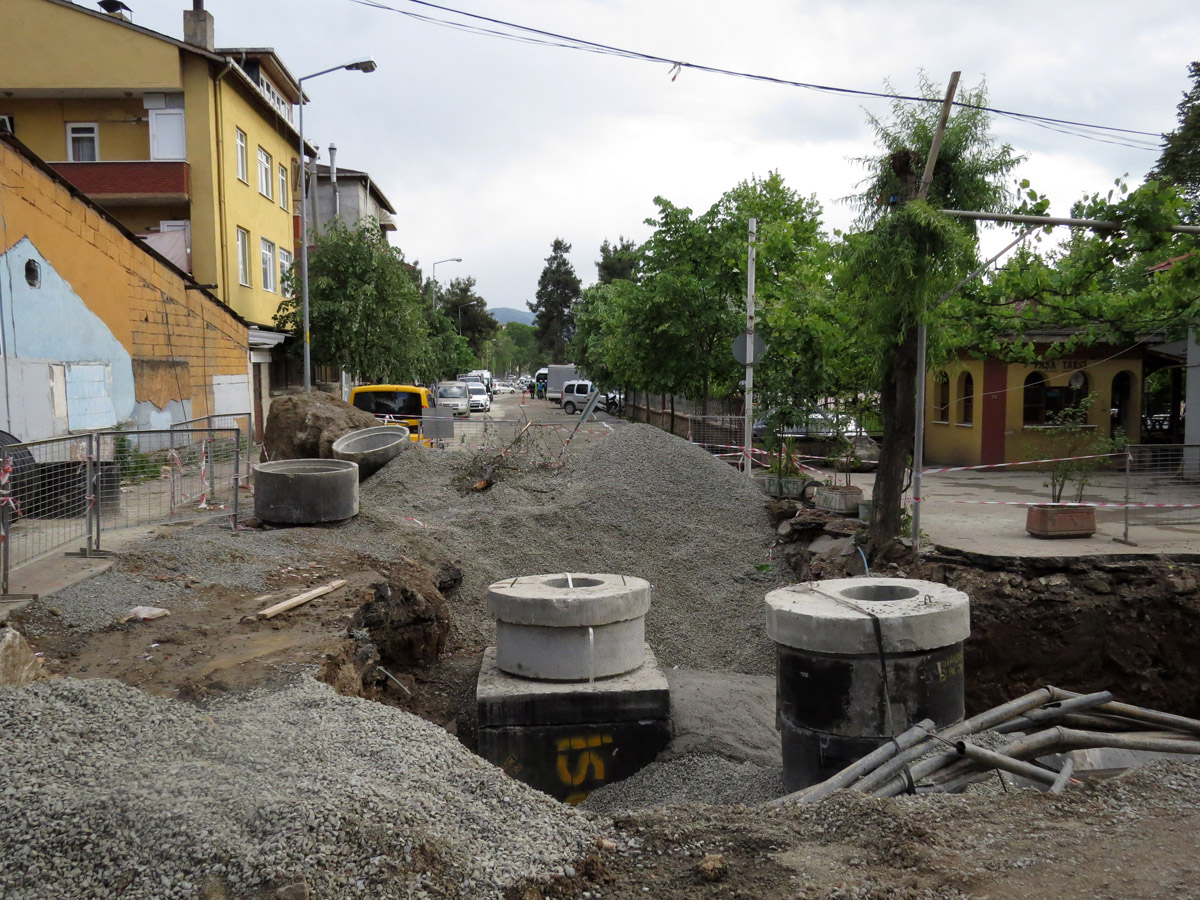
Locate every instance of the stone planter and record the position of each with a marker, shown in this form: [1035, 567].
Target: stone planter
[838, 498]
[776, 486]
[1061, 521]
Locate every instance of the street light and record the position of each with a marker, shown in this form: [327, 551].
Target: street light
[362, 65]
[433, 277]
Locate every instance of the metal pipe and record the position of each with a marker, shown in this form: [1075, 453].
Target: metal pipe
[985, 720]
[918, 771]
[1087, 739]
[1139, 713]
[995, 760]
[1054, 713]
[854, 771]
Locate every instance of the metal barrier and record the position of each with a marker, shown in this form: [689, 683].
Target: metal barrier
[240, 421]
[1162, 485]
[59, 491]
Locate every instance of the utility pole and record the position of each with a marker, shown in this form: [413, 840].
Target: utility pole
[922, 337]
[749, 435]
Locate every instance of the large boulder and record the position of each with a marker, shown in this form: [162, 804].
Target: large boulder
[304, 426]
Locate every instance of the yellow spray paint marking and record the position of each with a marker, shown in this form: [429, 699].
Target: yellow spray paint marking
[586, 760]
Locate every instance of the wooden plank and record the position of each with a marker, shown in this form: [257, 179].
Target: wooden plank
[299, 599]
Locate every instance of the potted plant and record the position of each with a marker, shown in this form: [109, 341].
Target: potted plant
[784, 476]
[840, 498]
[1079, 448]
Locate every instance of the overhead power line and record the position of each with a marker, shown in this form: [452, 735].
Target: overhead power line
[530, 35]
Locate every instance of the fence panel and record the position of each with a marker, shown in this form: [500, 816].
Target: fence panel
[1164, 484]
[181, 474]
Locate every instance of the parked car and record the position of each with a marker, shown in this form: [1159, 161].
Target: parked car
[394, 404]
[813, 423]
[480, 401]
[455, 396]
[503, 387]
[575, 396]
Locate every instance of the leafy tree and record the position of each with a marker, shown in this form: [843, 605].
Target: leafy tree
[1180, 160]
[365, 313]
[520, 349]
[558, 289]
[617, 261]
[469, 312]
[908, 254]
[449, 353]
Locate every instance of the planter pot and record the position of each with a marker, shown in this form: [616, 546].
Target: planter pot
[839, 498]
[786, 486]
[1061, 521]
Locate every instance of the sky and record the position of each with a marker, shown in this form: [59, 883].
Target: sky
[491, 148]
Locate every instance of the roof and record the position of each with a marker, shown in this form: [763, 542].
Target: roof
[267, 56]
[38, 163]
[357, 175]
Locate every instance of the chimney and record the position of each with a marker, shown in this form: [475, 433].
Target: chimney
[198, 27]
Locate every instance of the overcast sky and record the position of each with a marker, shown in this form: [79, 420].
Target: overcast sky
[491, 148]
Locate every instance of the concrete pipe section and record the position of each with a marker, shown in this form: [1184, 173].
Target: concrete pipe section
[305, 491]
[569, 627]
[371, 448]
[860, 660]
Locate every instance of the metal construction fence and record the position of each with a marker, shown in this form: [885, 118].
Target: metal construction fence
[61, 491]
[1163, 484]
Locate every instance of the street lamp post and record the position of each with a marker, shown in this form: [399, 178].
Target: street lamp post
[433, 278]
[362, 65]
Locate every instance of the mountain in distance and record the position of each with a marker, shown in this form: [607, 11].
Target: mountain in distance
[506, 314]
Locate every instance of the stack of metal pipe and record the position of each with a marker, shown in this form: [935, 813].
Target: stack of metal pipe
[1042, 723]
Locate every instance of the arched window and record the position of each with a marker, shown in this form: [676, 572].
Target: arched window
[1035, 399]
[966, 399]
[942, 395]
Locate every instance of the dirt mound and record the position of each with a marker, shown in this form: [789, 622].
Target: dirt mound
[304, 426]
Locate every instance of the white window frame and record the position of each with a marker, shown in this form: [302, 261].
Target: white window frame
[243, 163]
[81, 126]
[285, 263]
[284, 186]
[243, 252]
[167, 127]
[266, 173]
[269, 262]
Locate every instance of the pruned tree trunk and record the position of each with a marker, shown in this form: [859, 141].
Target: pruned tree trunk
[897, 403]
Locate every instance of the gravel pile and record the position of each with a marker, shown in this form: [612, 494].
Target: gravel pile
[708, 780]
[106, 791]
[639, 502]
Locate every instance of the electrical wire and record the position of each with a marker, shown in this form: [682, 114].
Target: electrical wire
[537, 36]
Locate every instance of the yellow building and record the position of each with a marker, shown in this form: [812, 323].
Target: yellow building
[989, 411]
[190, 147]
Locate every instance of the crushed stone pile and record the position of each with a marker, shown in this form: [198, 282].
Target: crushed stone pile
[106, 791]
[638, 502]
[697, 779]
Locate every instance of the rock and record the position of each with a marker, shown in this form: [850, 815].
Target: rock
[18, 664]
[304, 426]
[448, 577]
[297, 891]
[1096, 584]
[829, 547]
[713, 868]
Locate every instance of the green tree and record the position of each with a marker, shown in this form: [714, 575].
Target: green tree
[365, 313]
[1180, 161]
[469, 312]
[558, 289]
[617, 261]
[524, 354]
[908, 254]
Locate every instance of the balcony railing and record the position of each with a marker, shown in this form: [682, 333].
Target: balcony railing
[138, 181]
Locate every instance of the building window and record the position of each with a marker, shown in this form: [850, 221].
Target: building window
[966, 399]
[268, 265]
[1035, 399]
[285, 265]
[243, 247]
[266, 173]
[283, 186]
[33, 273]
[243, 166]
[83, 142]
[6, 125]
[941, 388]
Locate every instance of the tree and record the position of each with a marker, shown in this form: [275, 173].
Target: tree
[365, 313]
[908, 254]
[517, 349]
[1180, 161]
[558, 289]
[617, 262]
[469, 312]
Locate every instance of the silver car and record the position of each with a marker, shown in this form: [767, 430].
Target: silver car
[453, 395]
